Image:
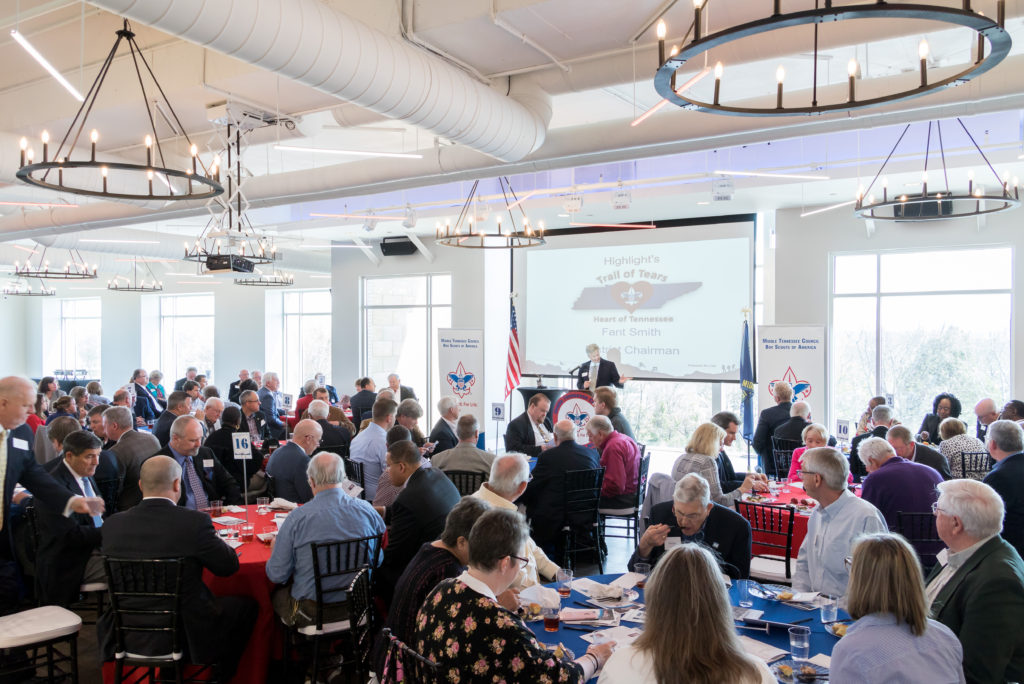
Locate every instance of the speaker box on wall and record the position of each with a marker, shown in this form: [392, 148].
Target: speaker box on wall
[397, 246]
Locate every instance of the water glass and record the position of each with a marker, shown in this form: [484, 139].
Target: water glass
[743, 588]
[642, 569]
[563, 579]
[800, 643]
[262, 505]
[829, 607]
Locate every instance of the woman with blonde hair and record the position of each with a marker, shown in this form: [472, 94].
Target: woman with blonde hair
[701, 457]
[688, 629]
[892, 640]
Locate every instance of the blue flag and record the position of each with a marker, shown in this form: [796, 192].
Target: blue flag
[747, 385]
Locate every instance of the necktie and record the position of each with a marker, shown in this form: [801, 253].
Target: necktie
[543, 431]
[195, 485]
[3, 476]
[97, 520]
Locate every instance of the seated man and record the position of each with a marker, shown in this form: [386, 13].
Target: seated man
[216, 628]
[1005, 443]
[212, 411]
[443, 435]
[387, 492]
[409, 414]
[620, 458]
[838, 519]
[131, 448]
[530, 432]
[333, 437]
[692, 516]
[799, 418]
[96, 424]
[270, 406]
[68, 554]
[222, 443]
[203, 479]
[369, 447]
[882, 419]
[288, 464]
[465, 455]
[253, 421]
[903, 443]
[509, 476]
[331, 515]
[362, 401]
[418, 514]
[977, 588]
[335, 415]
[105, 478]
[728, 478]
[178, 404]
[543, 496]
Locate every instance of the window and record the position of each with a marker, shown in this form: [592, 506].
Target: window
[401, 316]
[186, 334]
[914, 324]
[78, 348]
[302, 322]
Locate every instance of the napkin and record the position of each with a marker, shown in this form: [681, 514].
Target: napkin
[621, 635]
[627, 581]
[804, 597]
[578, 614]
[233, 543]
[266, 536]
[758, 649]
[234, 509]
[596, 590]
[821, 660]
[540, 595]
[280, 504]
[634, 615]
[228, 520]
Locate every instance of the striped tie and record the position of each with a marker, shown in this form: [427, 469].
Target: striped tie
[195, 485]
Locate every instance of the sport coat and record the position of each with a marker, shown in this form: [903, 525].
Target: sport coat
[233, 391]
[65, 544]
[464, 457]
[406, 392]
[792, 429]
[769, 420]
[158, 529]
[442, 437]
[544, 495]
[1007, 478]
[334, 436]
[146, 405]
[362, 403]
[607, 375]
[931, 457]
[856, 465]
[519, 435]
[983, 603]
[222, 444]
[131, 450]
[22, 467]
[217, 482]
[162, 429]
[272, 412]
[287, 465]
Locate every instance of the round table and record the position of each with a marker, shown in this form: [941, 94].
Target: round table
[821, 640]
[794, 491]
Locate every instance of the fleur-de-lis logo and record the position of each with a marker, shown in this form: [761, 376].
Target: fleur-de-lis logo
[460, 381]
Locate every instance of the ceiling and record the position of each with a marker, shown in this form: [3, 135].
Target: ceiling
[566, 76]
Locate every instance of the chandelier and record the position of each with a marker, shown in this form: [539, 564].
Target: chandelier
[470, 232]
[839, 99]
[75, 268]
[21, 288]
[135, 283]
[941, 202]
[120, 180]
[277, 279]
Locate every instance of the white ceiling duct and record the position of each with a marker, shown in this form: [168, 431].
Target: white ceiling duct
[316, 45]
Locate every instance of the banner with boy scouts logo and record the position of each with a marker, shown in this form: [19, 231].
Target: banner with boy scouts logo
[794, 354]
[460, 363]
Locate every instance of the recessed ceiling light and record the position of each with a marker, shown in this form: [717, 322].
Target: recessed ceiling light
[703, 203]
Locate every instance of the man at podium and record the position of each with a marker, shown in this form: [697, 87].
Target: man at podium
[598, 372]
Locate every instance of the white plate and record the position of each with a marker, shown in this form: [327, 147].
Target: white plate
[628, 597]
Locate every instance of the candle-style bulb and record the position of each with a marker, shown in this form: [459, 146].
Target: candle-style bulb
[149, 141]
[23, 143]
[674, 51]
[661, 29]
[149, 174]
[103, 171]
[45, 137]
[851, 68]
[922, 49]
[193, 150]
[970, 174]
[94, 136]
[718, 70]
[780, 74]
[30, 154]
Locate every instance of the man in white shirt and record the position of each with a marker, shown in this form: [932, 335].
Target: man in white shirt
[369, 447]
[836, 522]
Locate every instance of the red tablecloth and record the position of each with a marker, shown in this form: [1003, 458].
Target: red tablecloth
[799, 522]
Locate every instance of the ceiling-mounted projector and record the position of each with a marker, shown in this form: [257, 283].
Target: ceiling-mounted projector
[228, 263]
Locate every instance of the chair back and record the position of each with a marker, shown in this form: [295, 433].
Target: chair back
[581, 496]
[774, 527]
[145, 600]
[466, 481]
[403, 664]
[340, 449]
[641, 482]
[334, 566]
[361, 617]
[919, 529]
[782, 454]
[975, 465]
[354, 473]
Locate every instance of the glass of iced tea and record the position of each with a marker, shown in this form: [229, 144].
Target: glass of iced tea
[216, 508]
[267, 534]
[642, 569]
[550, 614]
[563, 578]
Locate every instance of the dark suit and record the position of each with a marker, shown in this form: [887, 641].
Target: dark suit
[607, 374]
[272, 412]
[519, 435]
[262, 430]
[543, 496]
[334, 436]
[108, 480]
[162, 429]
[416, 517]
[792, 429]
[233, 391]
[217, 482]
[856, 465]
[146, 406]
[406, 392]
[983, 603]
[931, 457]
[770, 419]
[362, 405]
[179, 384]
[216, 628]
[288, 466]
[442, 437]
[222, 444]
[727, 475]
[726, 534]
[65, 544]
[1007, 478]
[131, 450]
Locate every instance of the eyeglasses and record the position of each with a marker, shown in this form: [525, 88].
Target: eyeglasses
[524, 561]
[689, 516]
[801, 473]
[935, 508]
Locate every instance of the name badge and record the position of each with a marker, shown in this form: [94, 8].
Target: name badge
[19, 444]
[207, 462]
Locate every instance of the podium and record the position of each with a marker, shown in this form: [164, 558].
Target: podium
[552, 393]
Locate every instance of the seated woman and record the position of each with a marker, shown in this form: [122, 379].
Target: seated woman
[814, 435]
[156, 389]
[64, 406]
[956, 441]
[96, 397]
[463, 629]
[38, 415]
[701, 457]
[892, 639]
[944, 406]
[688, 630]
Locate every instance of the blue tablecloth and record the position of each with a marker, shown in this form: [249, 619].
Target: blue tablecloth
[821, 641]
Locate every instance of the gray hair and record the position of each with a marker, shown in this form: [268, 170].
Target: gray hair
[121, 416]
[467, 427]
[783, 391]
[830, 464]
[393, 375]
[410, 408]
[386, 393]
[599, 424]
[815, 427]
[881, 414]
[1006, 435]
[214, 401]
[800, 408]
[246, 396]
[318, 409]
[191, 369]
[155, 377]
[591, 348]
[461, 519]
[445, 404]
[181, 424]
[269, 375]
[508, 471]
[308, 386]
[692, 487]
[325, 469]
[979, 507]
[565, 431]
[875, 449]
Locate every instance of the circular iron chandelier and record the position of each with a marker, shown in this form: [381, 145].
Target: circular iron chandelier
[135, 283]
[471, 234]
[75, 268]
[993, 30]
[21, 288]
[278, 279]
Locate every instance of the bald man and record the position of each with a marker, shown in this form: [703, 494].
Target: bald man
[987, 413]
[288, 464]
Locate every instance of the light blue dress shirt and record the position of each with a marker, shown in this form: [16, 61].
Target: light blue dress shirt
[877, 649]
[332, 515]
[831, 530]
[369, 447]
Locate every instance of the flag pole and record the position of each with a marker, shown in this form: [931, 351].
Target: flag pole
[746, 384]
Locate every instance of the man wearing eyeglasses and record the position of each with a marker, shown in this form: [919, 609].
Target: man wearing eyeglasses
[839, 518]
[691, 517]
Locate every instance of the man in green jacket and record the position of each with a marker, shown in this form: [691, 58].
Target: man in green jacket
[977, 588]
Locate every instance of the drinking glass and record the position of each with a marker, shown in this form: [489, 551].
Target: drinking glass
[829, 607]
[563, 577]
[216, 508]
[246, 532]
[800, 643]
[232, 532]
[743, 588]
[262, 505]
[267, 533]
[642, 569]
[550, 614]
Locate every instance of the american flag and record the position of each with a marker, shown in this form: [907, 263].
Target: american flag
[512, 369]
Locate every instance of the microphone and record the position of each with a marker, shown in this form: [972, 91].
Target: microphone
[575, 369]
